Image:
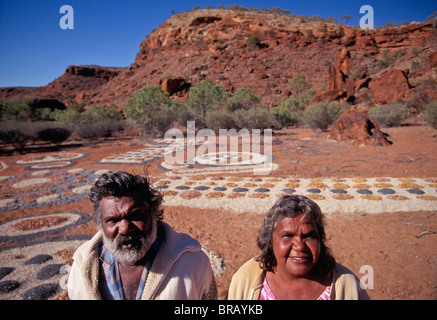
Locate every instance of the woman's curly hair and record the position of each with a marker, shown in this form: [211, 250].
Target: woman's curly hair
[118, 184]
[293, 206]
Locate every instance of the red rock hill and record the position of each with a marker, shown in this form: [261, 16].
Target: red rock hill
[263, 52]
[75, 85]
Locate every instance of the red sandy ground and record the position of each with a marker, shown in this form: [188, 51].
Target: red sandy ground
[404, 265]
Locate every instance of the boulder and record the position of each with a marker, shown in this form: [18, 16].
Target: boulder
[390, 86]
[354, 126]
[174, 85]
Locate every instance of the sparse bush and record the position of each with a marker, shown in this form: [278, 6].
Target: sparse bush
[219, 119]
[184, 115]
[323, 114]
[390, 115]
[100, 129]
[17, 139]
[254, 118]
[54, 135]
[431, 114]
[415, 65]
[17, 133]
[163, 119]
[252, 42]
[298, 84]
[386, 60]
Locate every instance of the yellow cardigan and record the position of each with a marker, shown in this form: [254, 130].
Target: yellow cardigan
[246, 283]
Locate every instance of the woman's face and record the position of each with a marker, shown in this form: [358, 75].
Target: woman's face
[296, 246]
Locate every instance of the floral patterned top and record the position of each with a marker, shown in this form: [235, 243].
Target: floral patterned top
[267, 294]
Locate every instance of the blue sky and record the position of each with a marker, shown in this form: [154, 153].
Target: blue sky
[34, 50]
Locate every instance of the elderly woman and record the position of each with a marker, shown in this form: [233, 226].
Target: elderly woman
[294, 262]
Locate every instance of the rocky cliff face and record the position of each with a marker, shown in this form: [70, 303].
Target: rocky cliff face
[214, 44]
[264, 52]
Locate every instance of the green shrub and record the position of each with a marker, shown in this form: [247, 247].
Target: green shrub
[99, 113]
[205, 97]
[323, 114]
[294, 105]
[68, 117]
[431, 114]
[390, 115]
[284, 116]
[305, 97]
[243, 98]
[16, 109]
[151, 110]
[42, 114]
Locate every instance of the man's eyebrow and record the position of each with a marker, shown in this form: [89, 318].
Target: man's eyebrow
[136, 208]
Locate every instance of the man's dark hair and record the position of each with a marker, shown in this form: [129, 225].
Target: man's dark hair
[293, 206]
[118, 184]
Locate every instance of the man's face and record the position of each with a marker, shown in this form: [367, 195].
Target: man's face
[128, 229]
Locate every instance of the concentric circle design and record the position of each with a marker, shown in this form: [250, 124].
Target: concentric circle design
[175, 166]
[56, 157]
[51, 165]
[30, 183]
[45, 187]
[28, 228]
[231, 158]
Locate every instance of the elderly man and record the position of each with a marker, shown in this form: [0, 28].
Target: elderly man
[134, 254]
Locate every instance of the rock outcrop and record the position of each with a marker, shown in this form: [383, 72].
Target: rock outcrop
[340, 85]
[355, 127]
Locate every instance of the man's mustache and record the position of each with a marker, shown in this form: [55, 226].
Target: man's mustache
[133, 237]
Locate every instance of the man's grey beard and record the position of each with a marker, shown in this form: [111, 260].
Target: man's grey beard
[141, 245]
